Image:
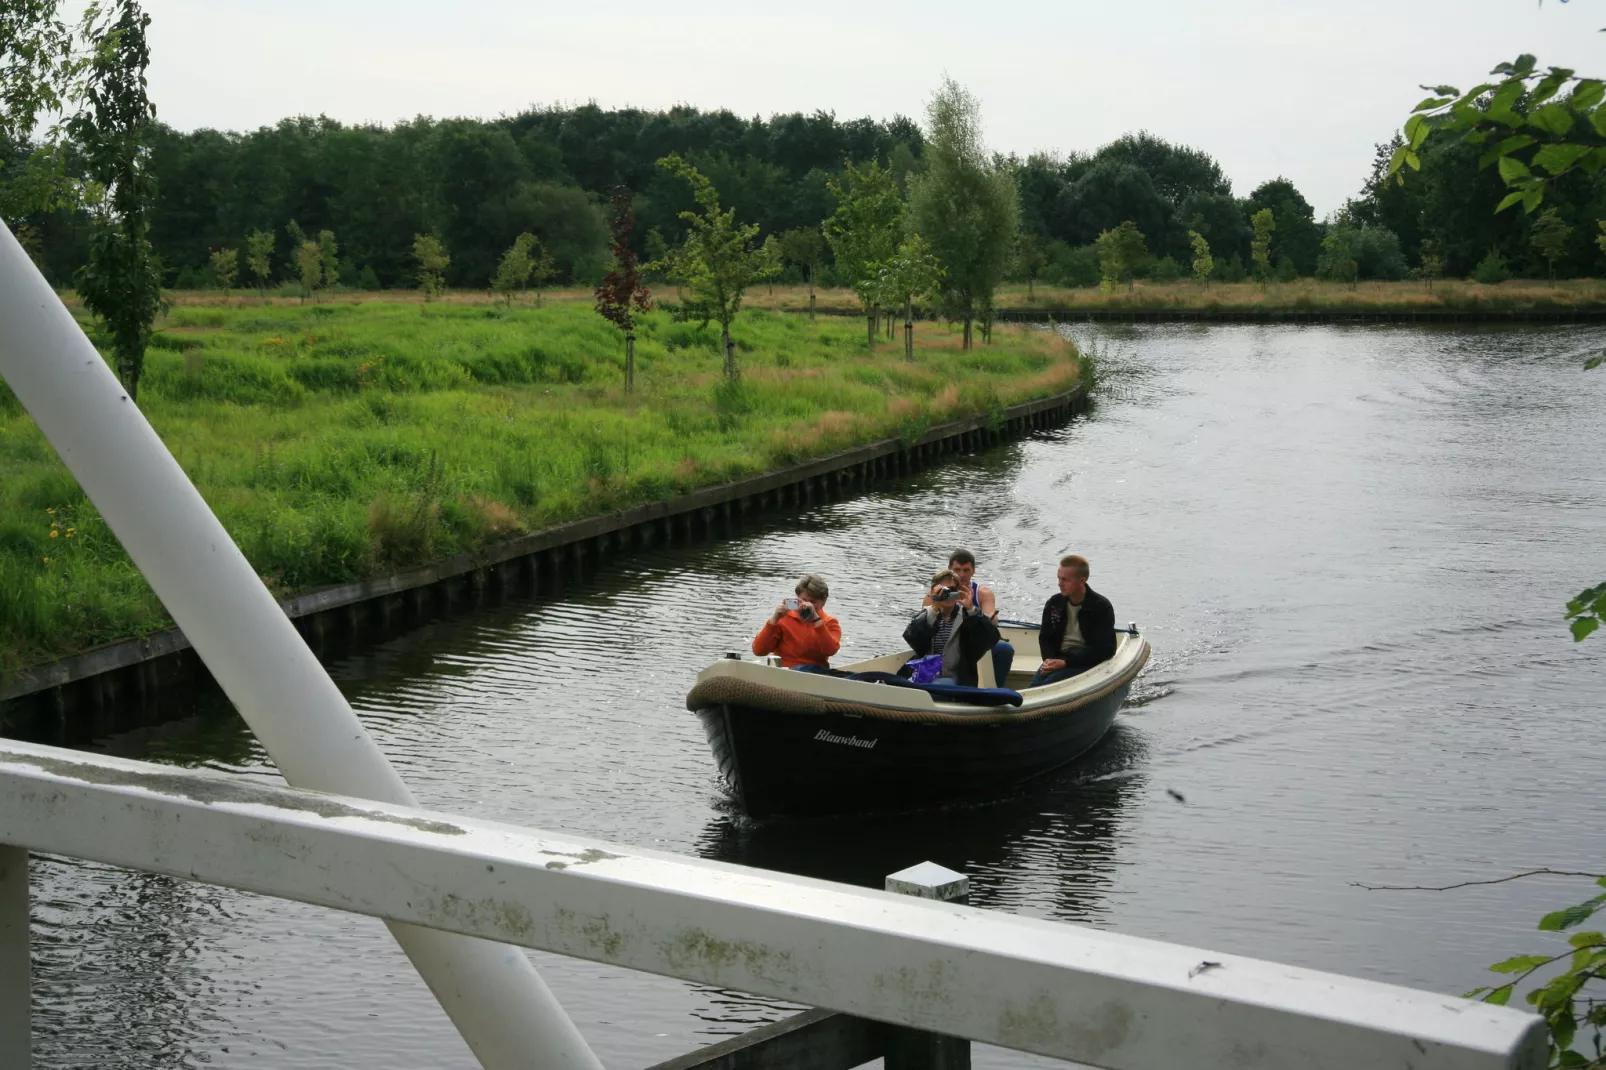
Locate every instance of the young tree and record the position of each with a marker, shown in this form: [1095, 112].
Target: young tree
[1430, 267]
[622, 294]
[122, 283]
[513, 272]
[965, 205]
[1203, 262]
[259, 257]
[309, 269]
[328, 260]
[1339, 261]
[803, 246]
[1030, 258]
[1121, 251]
[1549, 238]
[911, 272]
[864, 231]
[430, 256]
[1260, 245]
[717, 261]
[226, 266]
[543, 269]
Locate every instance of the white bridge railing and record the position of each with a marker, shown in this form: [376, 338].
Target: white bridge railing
[1060, 990]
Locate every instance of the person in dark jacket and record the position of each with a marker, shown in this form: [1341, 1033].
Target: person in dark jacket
[953, 627]
[1078, 626]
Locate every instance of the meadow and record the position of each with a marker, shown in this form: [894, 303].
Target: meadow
[356, 436]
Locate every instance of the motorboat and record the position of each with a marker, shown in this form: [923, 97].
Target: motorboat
[863, 738]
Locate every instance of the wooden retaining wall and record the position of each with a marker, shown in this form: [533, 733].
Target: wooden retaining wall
[143, 681]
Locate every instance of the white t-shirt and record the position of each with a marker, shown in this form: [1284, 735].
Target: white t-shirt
[1073, 642]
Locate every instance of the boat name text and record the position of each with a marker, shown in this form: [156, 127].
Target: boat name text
[825, 736]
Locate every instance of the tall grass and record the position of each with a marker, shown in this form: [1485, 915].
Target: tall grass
[340, 440]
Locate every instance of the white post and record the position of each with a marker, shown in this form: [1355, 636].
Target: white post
[16, 991]
[492, 993]
[919, 1049]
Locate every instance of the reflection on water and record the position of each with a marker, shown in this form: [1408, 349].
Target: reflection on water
[1349, 548]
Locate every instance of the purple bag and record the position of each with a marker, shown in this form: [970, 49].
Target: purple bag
[924, 670]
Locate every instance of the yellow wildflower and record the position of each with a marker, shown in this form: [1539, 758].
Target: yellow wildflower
[54, 533]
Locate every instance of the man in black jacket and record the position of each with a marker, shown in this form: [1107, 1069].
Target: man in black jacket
[1078, 626]
[953, 627]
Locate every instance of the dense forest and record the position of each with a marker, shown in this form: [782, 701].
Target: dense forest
[477, 185]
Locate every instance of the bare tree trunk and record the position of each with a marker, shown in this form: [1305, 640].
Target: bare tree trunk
[908, 330]
[730, 353]
[630, 363]
[869, 327]
[966, 345]
[811, 304]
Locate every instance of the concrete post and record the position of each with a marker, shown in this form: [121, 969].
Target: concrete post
[492, 993]
[915, 1049]
[16, 990]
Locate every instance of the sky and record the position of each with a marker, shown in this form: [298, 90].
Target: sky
[1294, 88]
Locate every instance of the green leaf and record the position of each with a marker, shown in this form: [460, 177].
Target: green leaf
[1434, 103]
[1558, 920]
[1533, 196]
[1569, 1059]
[1413, 161]
[1587, 939]
[1524, 65]
[1558, 158]
[1499, 996]
[1586, 94]
[1513, 170]
[1397, 159]
[1594, 161]
[1549, 85]
[1501, 105]
[1416, 130]
[1584, 626]
[1473, 94]
[1505, 148]
[1509, 200]
[1597, 119]
[1552, 119]
[1443, 90]
[1520, 963]
[1594, 362]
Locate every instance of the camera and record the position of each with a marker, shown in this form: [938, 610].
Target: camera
[791, 603]
[948, 594]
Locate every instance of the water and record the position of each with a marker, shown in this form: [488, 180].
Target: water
[1349, 548]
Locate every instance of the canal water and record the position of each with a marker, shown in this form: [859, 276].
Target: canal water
[1349, 547]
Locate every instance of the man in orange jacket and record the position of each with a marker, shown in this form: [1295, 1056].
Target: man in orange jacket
[800, 630]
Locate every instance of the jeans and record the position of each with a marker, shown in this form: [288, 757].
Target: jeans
[1071, 669]
[1003, 658]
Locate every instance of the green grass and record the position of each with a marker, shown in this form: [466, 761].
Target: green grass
[342, 440]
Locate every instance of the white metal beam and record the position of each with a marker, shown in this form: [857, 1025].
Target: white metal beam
[1076, 993]
[501, 1006]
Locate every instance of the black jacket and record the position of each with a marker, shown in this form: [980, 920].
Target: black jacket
[1096, 619]
[976, 635]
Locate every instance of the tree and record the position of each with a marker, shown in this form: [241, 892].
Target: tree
[1203, 262]
[1430, 266]
[122, 282]
[717, 260]
[864, 231]
[513, 271]
[1121, 251]
[1549, 238]
[259, 257]
[328, 259]
[911, 272]
[430, 256]
[226, 266]
[804, 246]
[1260, 245]
[37, 71]
[1298, 237]
[1338, 261]
[543, 269]
[309, 269]
[622, 294]
[1030, 259]
[965, 206]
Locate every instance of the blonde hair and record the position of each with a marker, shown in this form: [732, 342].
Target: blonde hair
[945, 576]
[814, 585]
[1078, 563]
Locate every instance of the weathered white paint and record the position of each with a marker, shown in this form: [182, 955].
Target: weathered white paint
[16, 1031]
[928, 880]
[1076, 993]
[497, 1001]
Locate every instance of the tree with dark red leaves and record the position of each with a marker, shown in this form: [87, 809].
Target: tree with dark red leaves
[622, 294]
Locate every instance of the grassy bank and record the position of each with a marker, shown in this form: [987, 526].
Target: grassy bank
[351, 438]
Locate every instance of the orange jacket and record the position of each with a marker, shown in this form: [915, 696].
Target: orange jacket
[799, 642]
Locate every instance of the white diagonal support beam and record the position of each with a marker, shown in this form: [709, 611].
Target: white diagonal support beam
[1060, 990]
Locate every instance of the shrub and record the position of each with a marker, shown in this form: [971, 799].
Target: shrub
[1491, 269]
[1068, 266]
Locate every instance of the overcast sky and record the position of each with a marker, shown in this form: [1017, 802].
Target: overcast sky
[1295, 87]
